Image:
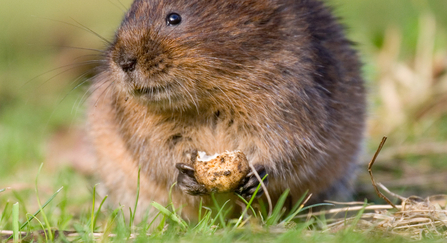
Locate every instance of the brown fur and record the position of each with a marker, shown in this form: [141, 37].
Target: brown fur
[276, 79]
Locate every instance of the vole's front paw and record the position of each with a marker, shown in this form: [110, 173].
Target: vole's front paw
[187, 182]
[250, 183]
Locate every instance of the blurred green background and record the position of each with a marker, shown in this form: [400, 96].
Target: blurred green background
[401, 42]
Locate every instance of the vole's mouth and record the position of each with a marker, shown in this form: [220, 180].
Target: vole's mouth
[165, 95]
[152, 91]
[158, 95]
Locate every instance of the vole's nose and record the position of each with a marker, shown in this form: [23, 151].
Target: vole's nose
[127, 63]
[136, 52]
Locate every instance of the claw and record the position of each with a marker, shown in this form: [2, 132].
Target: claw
[187, 182]
[185, 169]
[251, 182]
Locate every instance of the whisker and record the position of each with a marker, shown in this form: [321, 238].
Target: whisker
[119, 6]
[92, 55]
[70, 47]
[110, 85]
[84, 97]
[230, 100]
[192, 98]
[74, 88]
[70, 67]
[124, 6]
[79, 26]
[82, 48]
[91, 31]
[91, 91]
[63, 98]
[78, 104]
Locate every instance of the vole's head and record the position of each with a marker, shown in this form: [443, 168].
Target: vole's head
[180, 54]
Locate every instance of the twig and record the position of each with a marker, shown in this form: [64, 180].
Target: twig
[267, 195]
[10, 232]
[345, 203]
[65, 233]
[349, 209]
[371, 175]
[306, 200]
[391, 193]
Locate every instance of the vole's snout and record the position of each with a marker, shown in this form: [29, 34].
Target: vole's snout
[127, 64]
[149, 60]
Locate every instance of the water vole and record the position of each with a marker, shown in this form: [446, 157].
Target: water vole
[275, 79]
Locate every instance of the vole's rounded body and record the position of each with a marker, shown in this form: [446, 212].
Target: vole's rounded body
[276, 79]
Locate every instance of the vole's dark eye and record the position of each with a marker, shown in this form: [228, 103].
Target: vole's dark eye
[173, 19]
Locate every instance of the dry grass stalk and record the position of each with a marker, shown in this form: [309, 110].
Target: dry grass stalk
[415, 218]
[70, 235]
[371, 175]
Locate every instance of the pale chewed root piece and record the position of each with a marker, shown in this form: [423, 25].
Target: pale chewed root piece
[220, 173]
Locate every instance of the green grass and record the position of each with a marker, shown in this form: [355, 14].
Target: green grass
[112, 225]
[97, 224]
[38, 102]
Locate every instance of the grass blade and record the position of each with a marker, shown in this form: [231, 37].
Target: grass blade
[170, 197]
[221, 218]
[110, 223]
[39, 210]
[298, 203]
[5, 210]
[169, 214]
[92, 215]
[40, 205]
[296, 209]
[203, 222]
[15, 221]
[2, 190]
[246, 203]
[97, 211]
[40, 223]
[276, 215]
[249, 204]
[153, 220]
[317, 205]
[357, 218]
[200, 210]
[220, 212]
[132, 216]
